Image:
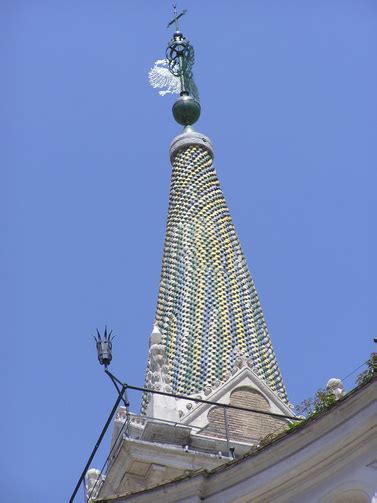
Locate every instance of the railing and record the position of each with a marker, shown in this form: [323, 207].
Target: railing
[92, 480]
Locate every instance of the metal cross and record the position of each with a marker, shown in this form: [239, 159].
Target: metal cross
[175, 20]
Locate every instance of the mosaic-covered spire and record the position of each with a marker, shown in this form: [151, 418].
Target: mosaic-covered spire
[208, 310]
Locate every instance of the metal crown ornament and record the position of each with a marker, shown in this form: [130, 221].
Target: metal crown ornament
[173, 75]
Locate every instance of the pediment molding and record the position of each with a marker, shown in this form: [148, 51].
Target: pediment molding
[195, 414]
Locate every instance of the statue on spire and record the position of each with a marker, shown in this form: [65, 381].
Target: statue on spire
[173, 75]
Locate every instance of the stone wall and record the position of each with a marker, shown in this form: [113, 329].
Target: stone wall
[243, 426]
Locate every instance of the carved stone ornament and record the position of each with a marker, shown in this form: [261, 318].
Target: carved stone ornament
[93, 482]
[207, 390]
[240, 361]
[227, 376]
[121, 415]
[158, 377]
[335, 386]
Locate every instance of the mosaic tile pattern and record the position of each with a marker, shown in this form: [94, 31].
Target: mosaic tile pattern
[207, 304]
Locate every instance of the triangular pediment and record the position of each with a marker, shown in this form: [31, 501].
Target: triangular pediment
[243, 384]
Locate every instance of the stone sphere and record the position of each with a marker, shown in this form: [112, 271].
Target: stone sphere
[186, 110]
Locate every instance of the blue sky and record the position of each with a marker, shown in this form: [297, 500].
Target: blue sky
[288, 94]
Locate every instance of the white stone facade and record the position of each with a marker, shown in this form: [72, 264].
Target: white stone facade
[331, 459]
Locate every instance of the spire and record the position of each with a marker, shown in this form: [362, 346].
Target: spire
[209, 316]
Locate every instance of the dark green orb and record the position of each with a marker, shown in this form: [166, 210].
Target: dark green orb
[186, 110]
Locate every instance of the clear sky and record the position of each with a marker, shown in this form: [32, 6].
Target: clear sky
[288, 94]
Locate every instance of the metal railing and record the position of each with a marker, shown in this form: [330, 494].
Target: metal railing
[92, 488]
[125, 431]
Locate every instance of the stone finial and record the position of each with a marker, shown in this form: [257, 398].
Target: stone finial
[335, 387]
[158, 378]
[93, 482]
[158, 374]
[156, 337]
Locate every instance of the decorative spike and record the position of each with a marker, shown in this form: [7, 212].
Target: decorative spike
[104, 347]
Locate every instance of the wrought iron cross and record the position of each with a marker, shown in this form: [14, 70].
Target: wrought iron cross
[175, 20]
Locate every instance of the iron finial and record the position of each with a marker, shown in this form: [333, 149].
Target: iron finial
[104, 346]
[175, 20]
[173, 75]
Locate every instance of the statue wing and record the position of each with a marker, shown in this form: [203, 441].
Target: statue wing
[160, 78]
